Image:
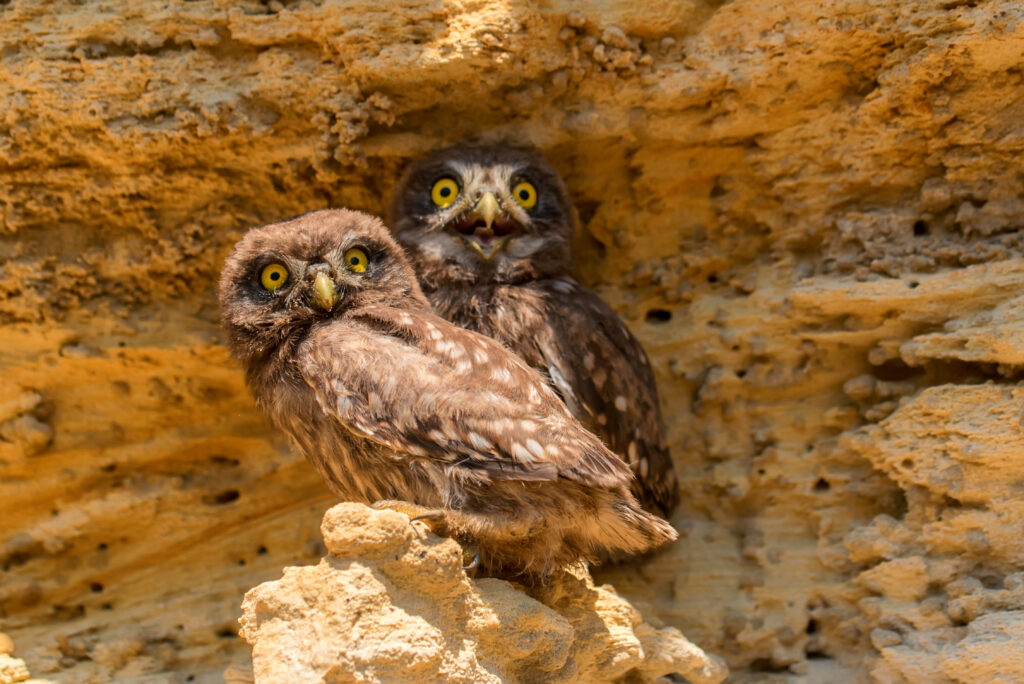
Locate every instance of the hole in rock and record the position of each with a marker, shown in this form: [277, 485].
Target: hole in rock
[262, 550]
[96, 588]
[221, 498]
[712, 279]
[894, 369]
[812, 626]
[658, 316]
[767, 665]
[920, 228]
[822, 485]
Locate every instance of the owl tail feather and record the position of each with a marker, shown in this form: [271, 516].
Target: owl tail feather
[624, 527]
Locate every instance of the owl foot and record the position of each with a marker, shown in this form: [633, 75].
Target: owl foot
[435, 518]
[474, 563]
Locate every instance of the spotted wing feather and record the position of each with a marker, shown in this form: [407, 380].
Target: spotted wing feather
[420, 386]
[602, 373]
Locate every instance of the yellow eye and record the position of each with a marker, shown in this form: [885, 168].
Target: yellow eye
[525, 194]
[356, 260]
[444, 192]
[274, 276]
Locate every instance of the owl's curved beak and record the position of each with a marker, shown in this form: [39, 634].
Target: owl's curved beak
[487, 207]
[489, 238]
[325, 294]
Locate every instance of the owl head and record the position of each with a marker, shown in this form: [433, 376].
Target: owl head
[284, 277]
[478, 215]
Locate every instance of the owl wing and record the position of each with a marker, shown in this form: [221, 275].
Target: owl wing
[425, 388]
[603, 375]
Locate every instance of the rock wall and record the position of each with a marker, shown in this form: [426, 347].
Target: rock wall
[808, 213]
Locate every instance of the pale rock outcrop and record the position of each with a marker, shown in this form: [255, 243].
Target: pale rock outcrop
[391, 602]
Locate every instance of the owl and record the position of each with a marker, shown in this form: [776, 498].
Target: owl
[488, 230]
[392, 403]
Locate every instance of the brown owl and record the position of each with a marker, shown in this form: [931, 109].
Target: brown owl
[488, 230]
[390, 402]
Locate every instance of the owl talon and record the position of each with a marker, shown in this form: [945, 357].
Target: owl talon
[473, 564]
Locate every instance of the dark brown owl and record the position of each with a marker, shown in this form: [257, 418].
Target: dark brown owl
[488, 230]
[391, 402]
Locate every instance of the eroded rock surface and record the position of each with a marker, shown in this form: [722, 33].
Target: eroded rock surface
[809, 213]
[391, 602]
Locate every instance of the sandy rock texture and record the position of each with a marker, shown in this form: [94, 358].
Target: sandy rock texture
[391, 602]
[809, 213]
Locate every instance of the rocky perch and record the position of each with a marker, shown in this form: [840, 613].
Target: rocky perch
[391, 602]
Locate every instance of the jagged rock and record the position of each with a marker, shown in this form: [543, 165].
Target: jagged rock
[392, 603]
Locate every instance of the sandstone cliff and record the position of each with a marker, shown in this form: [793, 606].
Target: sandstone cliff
[809, 214]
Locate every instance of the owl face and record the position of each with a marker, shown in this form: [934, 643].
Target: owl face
[284, 277]
[475, 215]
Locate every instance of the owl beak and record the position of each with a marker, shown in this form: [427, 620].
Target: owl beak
[325, 294]
[487, 207]
[483, 240]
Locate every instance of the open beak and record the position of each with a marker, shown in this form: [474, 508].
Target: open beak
[325, 294]
[487, 239]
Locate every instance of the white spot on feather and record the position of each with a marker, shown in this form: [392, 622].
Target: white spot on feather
[588, 361]
[631, 452]
[535, 448]
[501, 374]
[479, 441]
[602, 419]
[643, 467]
[481, 356]
[620, 403]
[520, 452]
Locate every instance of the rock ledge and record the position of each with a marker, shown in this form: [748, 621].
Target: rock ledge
[390, 601]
